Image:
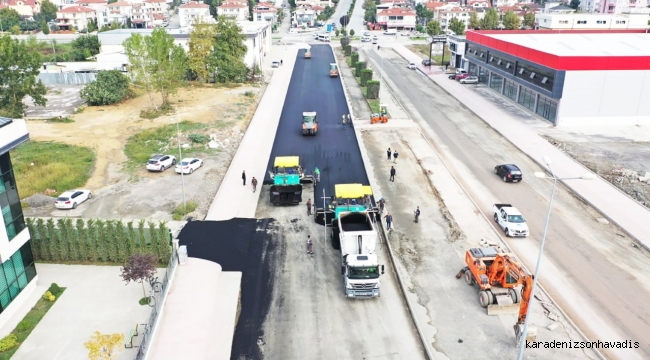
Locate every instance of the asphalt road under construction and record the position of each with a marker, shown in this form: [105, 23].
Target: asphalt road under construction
[292, 304]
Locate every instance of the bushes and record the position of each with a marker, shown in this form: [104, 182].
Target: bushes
[372, 91]
[354, 58]
[110, 87]
[181, 210]
[358, 67]
[85, 241]
[8, 342]
[199, 138]
[366, 75]
[55, 289]
[48, 296]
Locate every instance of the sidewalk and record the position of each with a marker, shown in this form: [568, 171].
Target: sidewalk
[233, 199]
[615, 205]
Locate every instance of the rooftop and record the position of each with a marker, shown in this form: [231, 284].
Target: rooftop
[582, 44]
[76, 9]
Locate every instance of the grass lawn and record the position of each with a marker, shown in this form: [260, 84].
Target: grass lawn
[142, 145]
[56, 166]
[29, 322]
[424, 50]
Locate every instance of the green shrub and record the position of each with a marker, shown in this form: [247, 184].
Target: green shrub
[59, 119]
[372, 89]
[24, 325]
[151, 114]
[8, 342]
[366, 75]
[110, 87]
[48, 296]
[354, 58]
[199, 138]
[181, 210]
[55, 289]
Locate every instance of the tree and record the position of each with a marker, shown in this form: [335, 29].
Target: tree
[9, 18]
[491, 20]
[85, 46]
[337, 32]
[511, 21]
[433, 28]
[136, 50]
[574, 4]
[344, 20]
[141, 267]
[19, 66]
[109, 87]
[474, 22]
[104, 346]
[529, 20]
[201, 44]
[229, 50]
[44, 28]
[370, 11]
[351, 32]
[457, 26]
[48, 10]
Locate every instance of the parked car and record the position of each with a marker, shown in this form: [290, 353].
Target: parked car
[510, 220]
[70, 199]
[461, 76]
[411, 66]
[405, 33]
[469, 80]
[426, 62]
[275, 64]
[508, 172]
[452, 76]
[187, 166]
[161, 162]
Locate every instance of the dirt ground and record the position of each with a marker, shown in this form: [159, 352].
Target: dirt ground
[622, 163]
[120, 193]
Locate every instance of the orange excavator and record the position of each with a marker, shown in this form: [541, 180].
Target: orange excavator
[499, 276]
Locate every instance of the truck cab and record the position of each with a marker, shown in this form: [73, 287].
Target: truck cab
[309, 123]
[510, 220]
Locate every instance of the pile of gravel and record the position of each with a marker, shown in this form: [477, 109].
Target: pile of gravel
[38, 200]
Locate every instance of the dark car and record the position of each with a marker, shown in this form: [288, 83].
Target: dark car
[452, 76]
[508, 172]
[426, 62]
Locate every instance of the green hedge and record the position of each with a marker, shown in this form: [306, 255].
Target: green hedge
[354, 58]
[359, 66]
[372, 89]
[97, 241]
[366, 75]
[348, 50]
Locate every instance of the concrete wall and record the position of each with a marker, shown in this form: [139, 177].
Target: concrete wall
[597, 97]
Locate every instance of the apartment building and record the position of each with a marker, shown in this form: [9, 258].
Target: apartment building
[119, 12]
[312, 3]
[192, 12]
[17, 272]
[26, 8]
[265, 12]
[237, 10]
[75, 16]
[444, 16]
[397, 18]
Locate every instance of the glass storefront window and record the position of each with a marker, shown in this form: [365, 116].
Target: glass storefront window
[483, 75]
[496, 82]
[12, 212]
[15, 275]
[527, 98]
[547, 108]
[510, 90]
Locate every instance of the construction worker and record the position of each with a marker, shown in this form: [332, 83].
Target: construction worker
[382, 202]
[310, 249]
[254, 183]
[389, 220]
[417, 214]
[309, 207]
[343, 120]
[243, 177]
[389, 154]
[317, 175]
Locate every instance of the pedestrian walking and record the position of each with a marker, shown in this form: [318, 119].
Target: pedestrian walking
[417, 214]
[343, 120]
[389, 220]
[309, 207]
[395, 155]
[382, 202]
[392, 173]
[310, 249]
[349, 119]
[317, 175]
[254, 183]
[243, 177]
[388, 154]
[281, 62]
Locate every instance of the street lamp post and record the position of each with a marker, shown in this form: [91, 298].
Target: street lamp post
[521, 336]
[180, 154]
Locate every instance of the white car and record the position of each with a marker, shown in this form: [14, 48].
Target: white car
[405, 34]
[187, 166]
[161, 162]
[70, 199]
[510, 220]
[411, 66]
[275, 64]
[469, 80]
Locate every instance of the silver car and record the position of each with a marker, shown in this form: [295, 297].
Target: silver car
[411, 66]
[469, 80]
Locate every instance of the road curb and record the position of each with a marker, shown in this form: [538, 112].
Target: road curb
[374, 185]
[555, 304]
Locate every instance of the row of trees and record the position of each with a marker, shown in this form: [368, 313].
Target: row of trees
[490, 21]
[97, 240]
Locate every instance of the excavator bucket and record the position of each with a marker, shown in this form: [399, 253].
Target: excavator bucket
[531, 334]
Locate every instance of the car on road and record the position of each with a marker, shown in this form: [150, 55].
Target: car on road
[161, 162]
[510, 220]
[405, 33]
[187, 166]
[508, 172]
[426, 62]
[374, 40]
[275, 64]
[411, 66]
[71, 199]
[452, 76]
[469, 80]
[366, 33]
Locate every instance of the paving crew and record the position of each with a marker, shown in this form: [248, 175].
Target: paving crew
[310, 249]
[417, 214]
[388, 154]
[254, 183]
[395, 155]
[309, 207]
[392, 173]
[389, 220]
[317, 175]
[243, 177]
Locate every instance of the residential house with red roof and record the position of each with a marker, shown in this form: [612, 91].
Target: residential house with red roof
[237, 10]
[397, 18]
[26, 8]
[266, 12]
[76, 17]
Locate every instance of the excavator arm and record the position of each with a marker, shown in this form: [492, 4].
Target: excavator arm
[526, 291]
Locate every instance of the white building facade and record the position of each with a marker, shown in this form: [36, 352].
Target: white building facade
[397, 18]
[236, 10]
[194, 12]
[17, 270]
[76, 17]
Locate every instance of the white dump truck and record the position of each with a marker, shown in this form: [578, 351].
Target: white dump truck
[354, 232]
